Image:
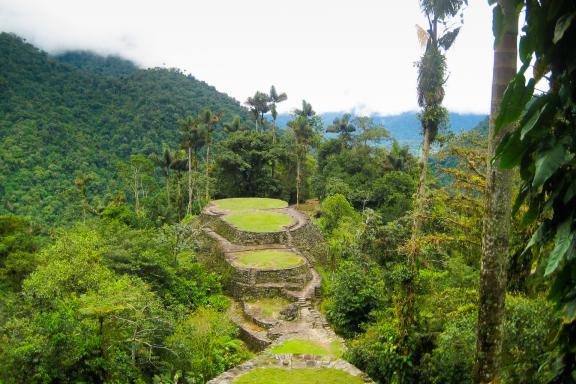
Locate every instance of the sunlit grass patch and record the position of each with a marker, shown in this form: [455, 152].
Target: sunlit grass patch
[259, 221]
[310, 347]
[297, 376]
[268, 307]
[247, 203]
[268, 259]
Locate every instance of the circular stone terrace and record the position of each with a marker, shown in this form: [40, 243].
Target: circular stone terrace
[275, 288]
[257, 215]
[268, 259]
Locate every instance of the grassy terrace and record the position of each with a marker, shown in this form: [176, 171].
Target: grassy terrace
[268, 259]
[297, 376]
[259, 221]
[301, 346]
[269, 307]
[248, 203]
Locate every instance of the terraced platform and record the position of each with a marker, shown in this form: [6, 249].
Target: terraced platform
[272, 249]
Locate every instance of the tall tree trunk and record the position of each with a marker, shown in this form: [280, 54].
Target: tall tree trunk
[207, 170]
[168, 188]
[136, 193]
[179, 194]
[189, 210]
[496, 230]
[407, 311]
[297, 179]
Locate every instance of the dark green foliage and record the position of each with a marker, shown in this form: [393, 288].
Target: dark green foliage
[356, 292]
[245, 165]
[377, 353]
[57, 120]
[543, 146]
[106, 304]
[527, 325]
[110, 65]
[19, 241]
[370, 177]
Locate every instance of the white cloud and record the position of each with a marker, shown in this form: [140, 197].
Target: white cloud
[337, 54]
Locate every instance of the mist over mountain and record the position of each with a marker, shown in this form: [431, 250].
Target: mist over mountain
[405, 127]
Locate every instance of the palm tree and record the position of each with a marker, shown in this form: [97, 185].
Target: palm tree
[431, 79]
[209, 119]
[233, 125]
[497, 215]
[259, 106]
[275, 98]
[192, 139]
[306, 110]
[165, 162]
[303, 134]
[344, 127]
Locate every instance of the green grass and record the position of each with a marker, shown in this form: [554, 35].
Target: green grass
[301, 346]
[259, 221]
[297, 376]
[269, 307]
[247, 203]
[268, 259]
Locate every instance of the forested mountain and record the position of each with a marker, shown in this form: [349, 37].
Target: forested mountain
[108, 65]
[79, 114]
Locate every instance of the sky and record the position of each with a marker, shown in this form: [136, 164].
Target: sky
[340, 55]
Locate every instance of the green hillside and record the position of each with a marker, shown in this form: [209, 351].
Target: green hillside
[79, 114]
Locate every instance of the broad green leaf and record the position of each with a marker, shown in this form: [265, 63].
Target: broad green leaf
[562, 26]
[570, 311]
[562, 241]
[536, 238]
[511, 150]
[529, 216]
[531, 123]
[549, 162]
[532, 113]
[526, 48]
[519, 200]
[570, 193]
[515, 98]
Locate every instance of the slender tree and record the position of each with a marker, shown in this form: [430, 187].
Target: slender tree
[344, 127]
[430, 90]
[191, 140]
[275, 98]
[164, 162]
[497, 216]
[81, 182]
[543, 147]
[303, 133]
[259, 107]
[306, 110]
[209, 119]
[233, 125]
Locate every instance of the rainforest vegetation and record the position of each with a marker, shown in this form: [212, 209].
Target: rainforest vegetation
[455, 265]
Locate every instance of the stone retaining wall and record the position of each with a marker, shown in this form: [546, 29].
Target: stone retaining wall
[262, 276]
[309, 241]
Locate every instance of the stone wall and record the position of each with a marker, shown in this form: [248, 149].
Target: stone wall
[309, 241]
[211, 255]
[299, 273]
